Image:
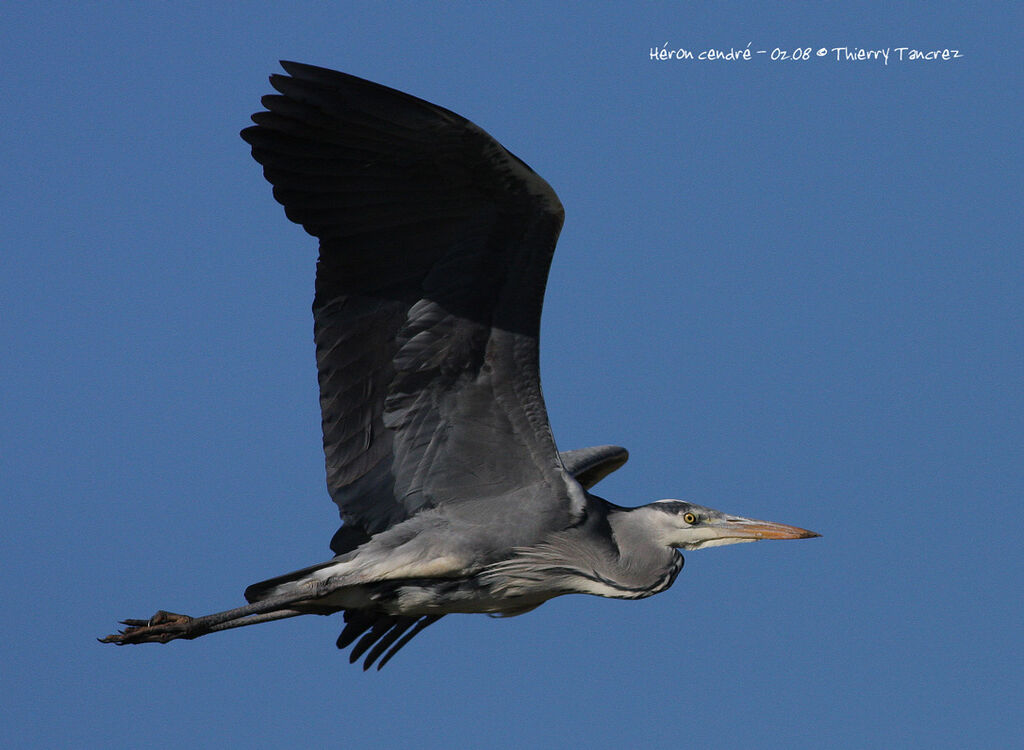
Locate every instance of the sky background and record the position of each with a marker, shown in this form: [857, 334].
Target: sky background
[791, 288]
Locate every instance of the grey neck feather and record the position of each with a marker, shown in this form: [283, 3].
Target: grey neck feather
[615, 553]
[643, 562]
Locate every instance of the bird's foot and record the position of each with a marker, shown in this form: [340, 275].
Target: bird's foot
[160, 628]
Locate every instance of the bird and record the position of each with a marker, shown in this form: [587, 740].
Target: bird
[434, 248]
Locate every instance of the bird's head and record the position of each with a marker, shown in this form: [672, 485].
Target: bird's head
[687, 526]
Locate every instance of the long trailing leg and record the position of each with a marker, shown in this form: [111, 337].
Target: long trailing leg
[168, 626]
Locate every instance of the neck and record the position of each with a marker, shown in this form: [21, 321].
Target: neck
[614, 553]
[644, 562]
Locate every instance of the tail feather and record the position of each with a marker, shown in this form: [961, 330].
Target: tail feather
[380, 635]
[283, 584]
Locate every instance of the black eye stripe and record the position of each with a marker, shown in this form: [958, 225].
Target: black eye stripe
[673, 507]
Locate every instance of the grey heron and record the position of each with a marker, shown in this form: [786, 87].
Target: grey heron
[435, 244]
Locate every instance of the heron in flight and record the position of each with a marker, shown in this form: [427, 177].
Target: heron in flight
[435, 244]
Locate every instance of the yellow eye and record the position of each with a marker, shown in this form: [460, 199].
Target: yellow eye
[690, 518]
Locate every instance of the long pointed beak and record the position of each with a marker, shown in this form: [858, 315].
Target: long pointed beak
[737, 527]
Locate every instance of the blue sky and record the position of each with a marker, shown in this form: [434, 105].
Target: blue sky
[791, 288]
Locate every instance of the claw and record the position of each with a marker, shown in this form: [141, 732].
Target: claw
[160, 628]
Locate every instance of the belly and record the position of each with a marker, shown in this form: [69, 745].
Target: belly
[432, 597]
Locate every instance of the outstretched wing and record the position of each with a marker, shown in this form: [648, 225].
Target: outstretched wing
[435, 244]
[590, 465]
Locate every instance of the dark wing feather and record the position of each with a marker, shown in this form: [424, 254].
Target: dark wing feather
[435, 244]
[590, 465]
[386, 633]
